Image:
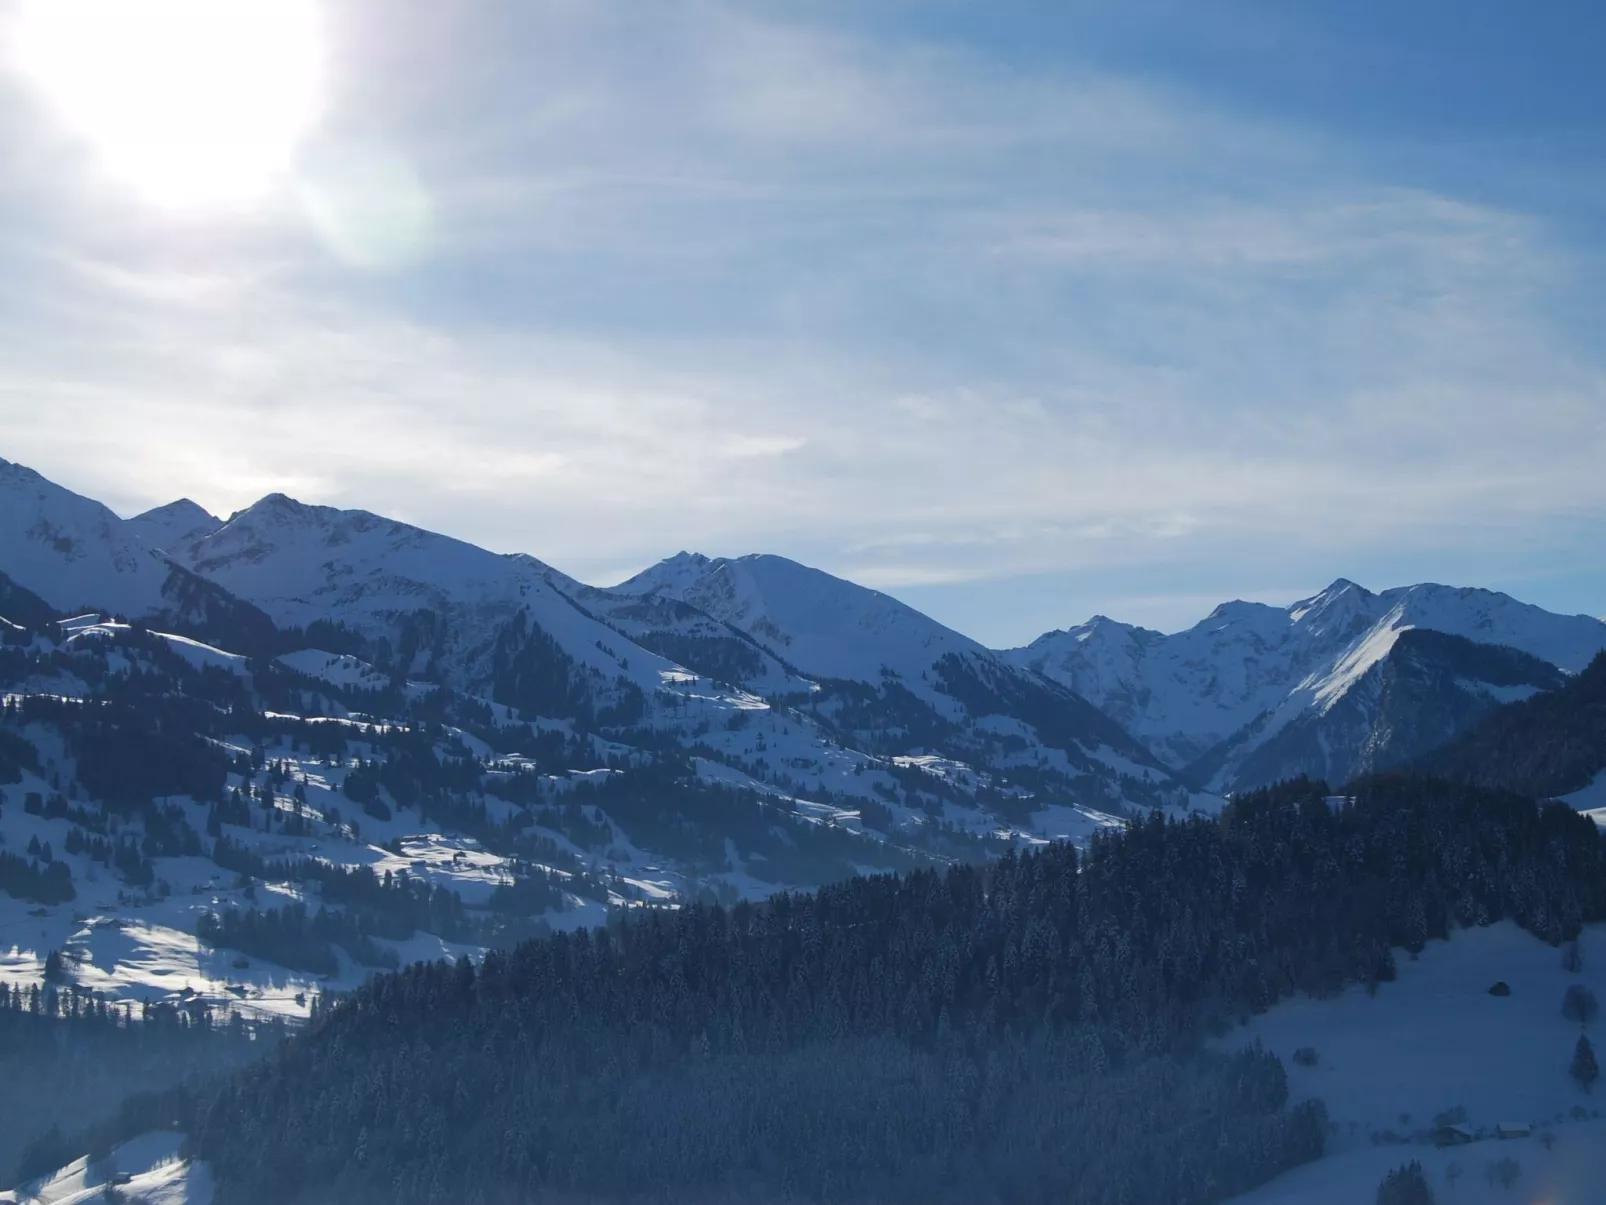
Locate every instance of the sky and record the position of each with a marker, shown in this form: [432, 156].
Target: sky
[1019, 311]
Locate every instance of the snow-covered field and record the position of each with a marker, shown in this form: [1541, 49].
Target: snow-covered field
[1436, 1043]
[1591, 800]
[147, 1169]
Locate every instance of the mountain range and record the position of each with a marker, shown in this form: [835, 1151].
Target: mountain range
[1335, 685]
[247, 762]
[1101, 716]
[531, 749]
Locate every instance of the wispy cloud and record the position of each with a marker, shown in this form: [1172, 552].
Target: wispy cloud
[709, 278]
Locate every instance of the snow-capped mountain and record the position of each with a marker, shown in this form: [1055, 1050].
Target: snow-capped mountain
[428, 605]
[173, 525]
[486, 715]
[884, 673]
[1208, 698]
[325, 709]
[76, 555]
[72, 551]
[824, 626]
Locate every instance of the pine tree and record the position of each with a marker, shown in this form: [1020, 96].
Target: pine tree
[1405, 1186]
[1584, 1069]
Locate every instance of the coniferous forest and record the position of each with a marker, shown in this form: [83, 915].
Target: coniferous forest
[69, 1059]
[1035, 1029]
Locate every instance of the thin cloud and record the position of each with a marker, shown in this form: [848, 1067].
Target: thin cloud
[995, 321]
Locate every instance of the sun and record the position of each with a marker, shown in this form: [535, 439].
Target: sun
[193, 103]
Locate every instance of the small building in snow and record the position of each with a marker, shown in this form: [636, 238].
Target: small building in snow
[1514, 1129]
[1453, 1135]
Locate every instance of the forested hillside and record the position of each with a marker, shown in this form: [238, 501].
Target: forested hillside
[1028, 1030]
[1551, 744]
[69, 1060]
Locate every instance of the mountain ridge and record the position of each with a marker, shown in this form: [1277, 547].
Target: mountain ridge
[1211, 695]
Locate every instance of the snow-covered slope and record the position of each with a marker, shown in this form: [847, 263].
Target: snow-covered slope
[150, 1168]
[886, 673]
[1235, 680]
[660, 621]
[824, 626]
[72, 551]
[1394, 698]
[1436, 1045]
[674, 719]
[440, 605]
[74, 554]
[174, 525]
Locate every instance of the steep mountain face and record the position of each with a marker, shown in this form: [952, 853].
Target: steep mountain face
[1551, 744]
[1208, 698]
[73, 552]
[173, 525]
[1424, 691]
[889, 678]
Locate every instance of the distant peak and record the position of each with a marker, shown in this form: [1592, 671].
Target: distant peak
[183, 508]
[1342, 591]
[277, 506]
[1237, 609]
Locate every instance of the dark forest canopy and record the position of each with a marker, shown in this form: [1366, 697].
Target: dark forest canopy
[1029, 1030]
[68, 1058]
[1551, 744]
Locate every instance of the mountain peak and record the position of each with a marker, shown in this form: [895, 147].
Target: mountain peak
[71, 551]
[280, 502]
[673, 574]
[1238, 611]
[186, 508]
[20, 474]
[1339, 602]
[174, 525]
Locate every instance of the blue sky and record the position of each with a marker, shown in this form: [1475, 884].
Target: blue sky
[1019, 311]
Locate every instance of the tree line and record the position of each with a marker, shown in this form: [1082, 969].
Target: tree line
[1029, 1030]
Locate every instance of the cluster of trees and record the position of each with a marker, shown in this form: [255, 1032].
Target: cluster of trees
[67, 1058]
[36, 881]
[1551, 744]
[1405, 1185]
[130, 753]
[388, 905]
[292, 937]
[1029, 1030]
[532, 673]
[665, 807]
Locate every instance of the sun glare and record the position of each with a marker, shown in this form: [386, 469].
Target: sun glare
[194, 103]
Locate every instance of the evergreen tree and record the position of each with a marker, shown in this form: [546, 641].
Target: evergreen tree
[1584, 1069]
[1579, 1004]
[1405, 1185]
